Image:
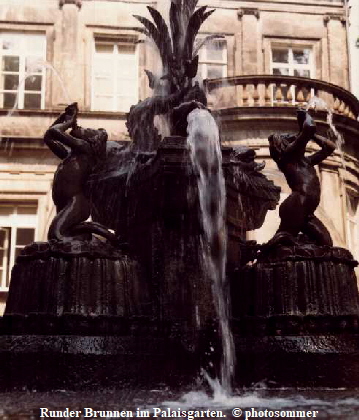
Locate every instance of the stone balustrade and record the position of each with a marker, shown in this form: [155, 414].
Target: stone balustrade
[274, 91]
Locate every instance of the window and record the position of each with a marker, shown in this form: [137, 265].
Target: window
[292, 61]
[22, 70]
[17, 228]
[115, 76]
[213, 60]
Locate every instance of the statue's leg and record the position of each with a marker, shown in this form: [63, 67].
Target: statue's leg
[76, 211]
[292, 214]
[97, 228]
[316, 231]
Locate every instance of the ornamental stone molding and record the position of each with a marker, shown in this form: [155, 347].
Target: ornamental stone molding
[333, 16]
[248, 11]
[78, 3]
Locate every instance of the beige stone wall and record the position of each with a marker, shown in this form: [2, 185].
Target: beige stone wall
[353, 12]
[252, 26]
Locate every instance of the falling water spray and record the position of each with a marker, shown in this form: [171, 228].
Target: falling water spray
[205, 152]
[315, 103]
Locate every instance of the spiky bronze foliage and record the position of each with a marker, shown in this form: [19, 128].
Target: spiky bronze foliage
[176, 46]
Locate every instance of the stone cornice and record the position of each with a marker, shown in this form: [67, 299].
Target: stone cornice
[54, 112]
[248, 11]
[334, 16]
[78, 3]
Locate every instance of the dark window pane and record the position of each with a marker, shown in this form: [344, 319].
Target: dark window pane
[24, 236]
[17, 252]
[10, 64]
[4, 235]
[9, 100]
[280, 56]
[27, 209]
[301, 73]
[11, 82]
[2, 238]
[352, 206]
[104, 48]
[301, 56]
[126, 48]
[281, 72]
[33, 83]
[284, 90]
[32, 101]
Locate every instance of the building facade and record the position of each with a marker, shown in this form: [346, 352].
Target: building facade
[352, 9]
[274, 55]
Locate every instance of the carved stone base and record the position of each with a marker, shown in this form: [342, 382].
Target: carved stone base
[47, 362]
[296, 318]
[78, 317]
[299, 281]
[77, 278]
[309, 361]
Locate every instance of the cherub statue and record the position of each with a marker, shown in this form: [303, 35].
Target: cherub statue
[81, 151]
[297, 210]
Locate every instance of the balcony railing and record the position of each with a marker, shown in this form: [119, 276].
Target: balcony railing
[274, 91]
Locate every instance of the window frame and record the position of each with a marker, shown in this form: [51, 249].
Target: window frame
[291, 65]
[290, 46]
[114, 41]
[12, 223]
[204, 61]
[22, 53]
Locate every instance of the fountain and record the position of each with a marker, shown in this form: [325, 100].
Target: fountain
[162, 282]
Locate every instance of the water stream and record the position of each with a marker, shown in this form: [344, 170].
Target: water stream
[32, 71]
[206, 157]
[319, 103]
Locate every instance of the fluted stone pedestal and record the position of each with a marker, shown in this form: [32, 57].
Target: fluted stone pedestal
[78, 316]
[296, 317]
[76, 278]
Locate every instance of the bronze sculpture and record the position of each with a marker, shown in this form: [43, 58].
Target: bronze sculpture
[297, 210]
[82, 151]
[179, 57]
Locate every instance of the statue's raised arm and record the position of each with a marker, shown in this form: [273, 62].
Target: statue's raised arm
[56, 136]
